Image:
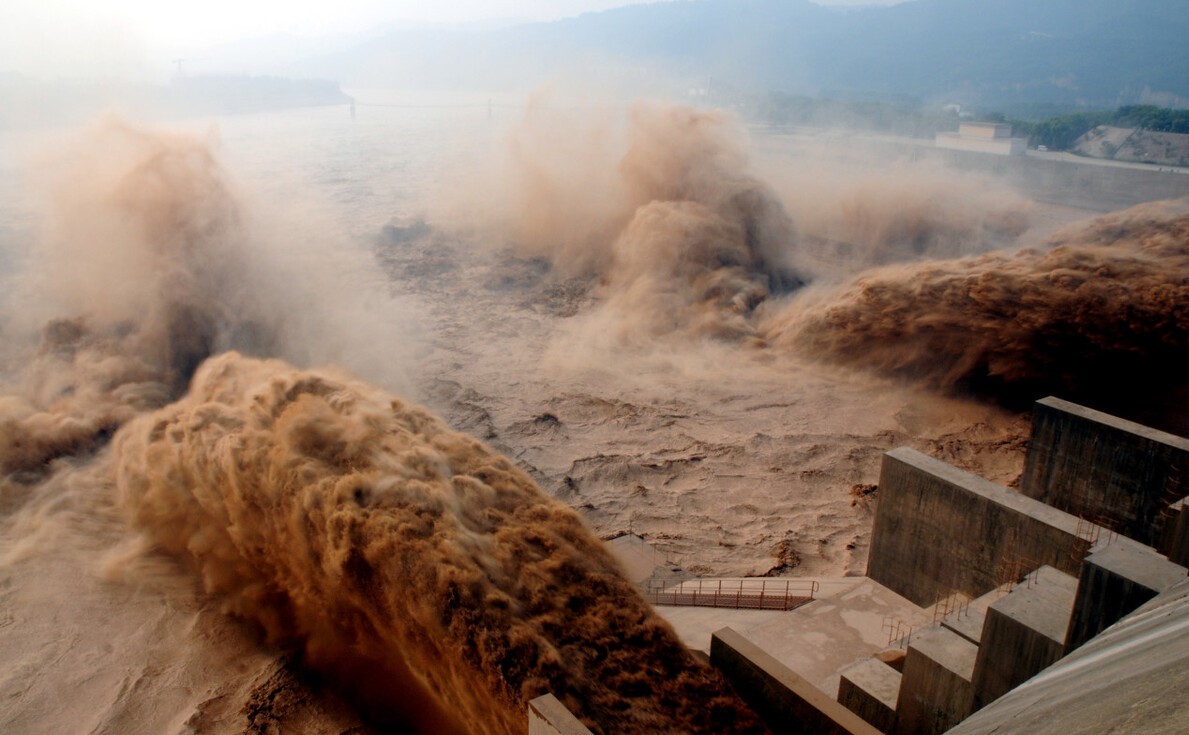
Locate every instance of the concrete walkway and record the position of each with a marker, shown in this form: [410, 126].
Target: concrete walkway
[851, 618]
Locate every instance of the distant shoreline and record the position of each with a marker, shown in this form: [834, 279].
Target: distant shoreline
[31, 103]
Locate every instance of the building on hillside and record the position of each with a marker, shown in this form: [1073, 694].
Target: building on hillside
[983, 137]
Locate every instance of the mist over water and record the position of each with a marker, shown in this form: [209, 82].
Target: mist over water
[685, 240]
[131, 287]
[146, 263]
[169, 384]
[863, 218]
[428, 576]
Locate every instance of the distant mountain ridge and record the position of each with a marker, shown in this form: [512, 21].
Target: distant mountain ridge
[1077, 52]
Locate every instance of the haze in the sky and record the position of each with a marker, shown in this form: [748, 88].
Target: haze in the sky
[142, 38]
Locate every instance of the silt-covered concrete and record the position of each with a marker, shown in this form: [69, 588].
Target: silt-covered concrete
[788, 704]
[1130, 680]
[1105, 469]
[1024, 633]
[869, 688]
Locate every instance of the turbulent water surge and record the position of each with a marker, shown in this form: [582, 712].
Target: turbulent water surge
[407, 558]
[207, 526]
[425, 574]
[1097, 313]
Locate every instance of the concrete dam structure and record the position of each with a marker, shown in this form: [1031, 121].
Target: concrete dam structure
[1058, 609]
[1087, 184]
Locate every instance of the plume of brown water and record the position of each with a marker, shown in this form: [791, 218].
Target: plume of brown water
[662, 209]
[133, 278]
[859, 214]
[706, 242]
[1099, 311]
[340, 518]
[147, 262]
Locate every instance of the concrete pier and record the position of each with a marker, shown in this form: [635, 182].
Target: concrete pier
[869, 688]
[1115, 580]
[1176, 529]
[1085, 185]
[1103, 468]
[939, 530]
[936, 689]
[1024, 633]
[1131, 679]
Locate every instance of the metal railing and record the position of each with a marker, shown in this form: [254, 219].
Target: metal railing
[955, 603]
[738, 594]
[899, 632]
[1016, 569]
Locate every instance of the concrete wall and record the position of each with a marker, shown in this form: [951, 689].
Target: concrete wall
[1024, 633]
[984, 130]
[548, 716]
[1095, 465]
[1084, 185]
[789, 704]
[1053, 178]
[997, 146]
[939, 529]
[1095, 187]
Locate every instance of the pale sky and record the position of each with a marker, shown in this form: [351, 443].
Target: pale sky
[127, 37]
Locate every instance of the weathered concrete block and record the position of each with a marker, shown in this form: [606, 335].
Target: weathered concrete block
[1176, 545]
[1098, 466]
[1024, 633]
[968, 619]
[967, 623]
[548, 716]
[1131, 679]
[939, 529]
[936, 689]
[869, 688]
[789, 704]
[1115, 580]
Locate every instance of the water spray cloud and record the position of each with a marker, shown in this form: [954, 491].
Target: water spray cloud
[1098, 309]
[340, 518]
